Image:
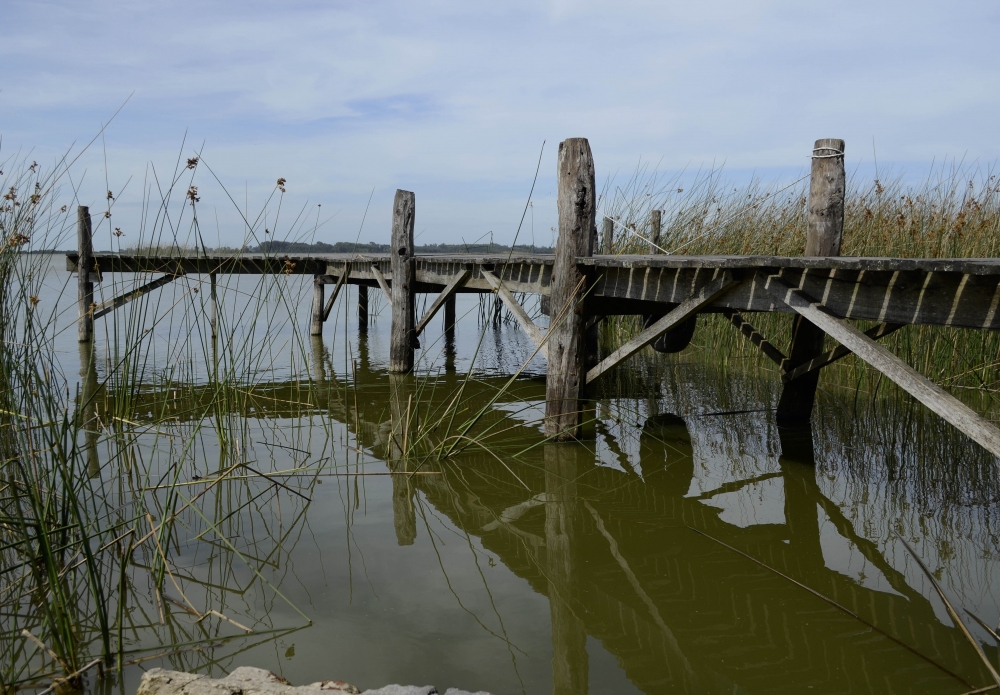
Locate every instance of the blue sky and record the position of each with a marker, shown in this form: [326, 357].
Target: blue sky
[453, 100]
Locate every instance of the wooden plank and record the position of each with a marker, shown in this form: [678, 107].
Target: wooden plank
[341, 281]
[123, 299]
[910, 380]
[85, 286]
[576, 202]
[706, 295]
[879, 331]
[447, 293]
[751, 334]
[529, 327]
[403, 291]
[380, 278]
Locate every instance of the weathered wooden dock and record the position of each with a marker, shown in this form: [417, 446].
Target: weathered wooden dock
[823, 292]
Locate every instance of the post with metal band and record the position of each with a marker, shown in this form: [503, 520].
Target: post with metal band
[576, 203]
[402, 340]
[316, 325]
[85, 264]
[827, 187]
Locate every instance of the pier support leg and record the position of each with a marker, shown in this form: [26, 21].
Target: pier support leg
[566, 341]
[213, 308]
[449, 321]
[87, 406]
[826, 227]
[316, 325]
[85, 287]
[402, 341]
[362, 308]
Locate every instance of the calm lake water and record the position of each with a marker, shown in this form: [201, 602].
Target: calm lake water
[674, 550]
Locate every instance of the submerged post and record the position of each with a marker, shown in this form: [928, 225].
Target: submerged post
[316, 325]
[607, 236]
[566, 338]
[363, 308]
[213, 306]
[85, 287]
[827, 186]
[402, 340]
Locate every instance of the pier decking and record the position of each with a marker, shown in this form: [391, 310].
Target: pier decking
[824, 291]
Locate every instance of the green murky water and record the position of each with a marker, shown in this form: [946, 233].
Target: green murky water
[676, 550]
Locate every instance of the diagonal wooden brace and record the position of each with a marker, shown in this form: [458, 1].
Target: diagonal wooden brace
[336, 290]
[447, 292]
[381, 282]
[754, 336]
[722, 284]
[879, 331]
[533, 331]
[123, 299]
[910, 380]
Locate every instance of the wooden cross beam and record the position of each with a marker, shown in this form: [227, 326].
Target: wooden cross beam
[123, 299]
[879, 331]
[448, 291]
[381, 282]
[722, 283]
[910, 380]
[533, 331]
[336, 290]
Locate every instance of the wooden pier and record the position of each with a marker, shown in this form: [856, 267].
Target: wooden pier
[822, 292]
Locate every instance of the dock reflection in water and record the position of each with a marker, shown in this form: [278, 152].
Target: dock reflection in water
[601, 532]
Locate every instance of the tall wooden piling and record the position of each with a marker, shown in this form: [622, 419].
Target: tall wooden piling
[363, 308]
[827, 186]
[85, 285]
[576, 203]
[316, 325]
[607, 236]
[402, 340]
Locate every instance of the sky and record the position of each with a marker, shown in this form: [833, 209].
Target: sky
[349, 101]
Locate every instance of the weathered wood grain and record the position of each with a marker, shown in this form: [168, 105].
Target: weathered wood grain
[654, 231]
[576, 201]
[826, 227]
[316, 315]
[402, 339]
[705, 295]
[380, 278]
[607, 235]
[527, 325]
[910, 380]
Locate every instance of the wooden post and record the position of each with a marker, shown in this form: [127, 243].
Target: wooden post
[608, 236]
[363, 308]
[566, 339]
[826, 227]
[449, 322]
[213, 306]
[654, 231]
[85, 287]
[316, 325]
[402, 341]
